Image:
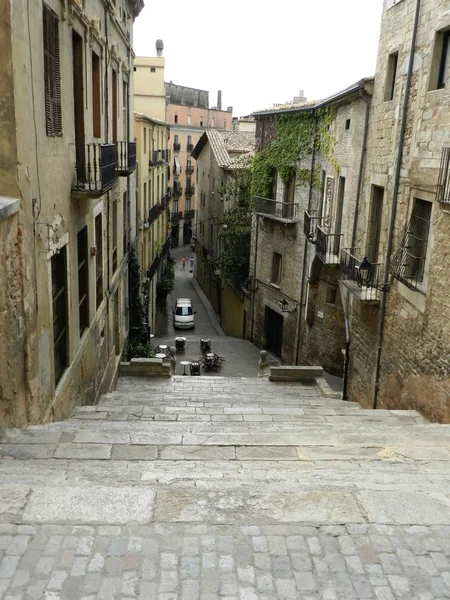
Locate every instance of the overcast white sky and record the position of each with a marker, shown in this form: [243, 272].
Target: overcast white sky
[261, 52]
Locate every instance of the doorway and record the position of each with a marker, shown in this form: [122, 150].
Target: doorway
[274, 332]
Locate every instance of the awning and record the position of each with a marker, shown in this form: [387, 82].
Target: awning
[176, 166]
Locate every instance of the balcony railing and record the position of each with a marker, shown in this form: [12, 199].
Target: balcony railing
[126, 157]
[176, 147]
[189, 169]
[175, 217]
[176, 192]
[166, 247]
[190, 147]
[153, 214]
[280, 211]
[328, 246]
[311, 221]
[189, 215]
[153, 158]
[95, 171]
[166, 155]
[365, 284]
[165, 200]
[190, 190]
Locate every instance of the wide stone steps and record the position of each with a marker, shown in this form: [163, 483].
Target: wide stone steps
[210, 449]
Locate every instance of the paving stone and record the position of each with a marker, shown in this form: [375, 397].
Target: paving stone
[129, 452]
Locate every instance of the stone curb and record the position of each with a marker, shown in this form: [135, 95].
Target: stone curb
[326, 390]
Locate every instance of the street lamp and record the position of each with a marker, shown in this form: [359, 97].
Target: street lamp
[284, 306]
[365, 271]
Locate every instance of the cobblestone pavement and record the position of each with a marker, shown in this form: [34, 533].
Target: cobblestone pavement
[197, 488]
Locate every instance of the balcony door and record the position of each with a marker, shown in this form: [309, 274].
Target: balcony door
[374, 229]
[78, 104]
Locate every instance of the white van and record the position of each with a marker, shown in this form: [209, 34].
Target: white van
[183, 315]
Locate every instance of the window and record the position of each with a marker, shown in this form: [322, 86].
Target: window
[114, 106]
[52, 80]
[176, 121]
[188, 182]
[441, 60]
[145, 140]
[60, 321]
[277, 262]
[347, 124]
[188, 204]
[391, 75]
[225, 124]
[99, 260]
[152, 70]
[212, 122]
[96, 113]
[189, 141]
[201, 121]
[114, 237]
[144, 203]
[175, 206]
[125, 223]
[189, 119]
[83, 280]
[175, 139]
[374, 225]
[184, 311]
[331, 296]
[408, 264]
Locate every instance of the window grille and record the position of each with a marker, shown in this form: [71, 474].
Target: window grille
[443, 189]
[408, 264]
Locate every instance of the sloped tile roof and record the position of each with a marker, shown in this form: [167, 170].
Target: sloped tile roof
[224, 143]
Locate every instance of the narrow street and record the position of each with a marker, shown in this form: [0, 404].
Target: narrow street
[241, 357]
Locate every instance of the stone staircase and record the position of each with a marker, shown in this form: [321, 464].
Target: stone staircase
[199, 488]
[228, 450]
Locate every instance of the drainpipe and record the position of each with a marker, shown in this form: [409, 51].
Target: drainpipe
[390, 242]
[254, 278]
[305, 249]
[366, 98]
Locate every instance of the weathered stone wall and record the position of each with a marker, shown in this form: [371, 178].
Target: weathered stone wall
[232, 311]
[415, 365]
[45, 171]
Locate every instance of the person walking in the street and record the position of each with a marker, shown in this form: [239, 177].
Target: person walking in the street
[191, 262]
[183, 263]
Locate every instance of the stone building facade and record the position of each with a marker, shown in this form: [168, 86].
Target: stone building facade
[67, 202]
[403, 222]
[153, 210]
[299, 234]
[189, 115]
[221, 159]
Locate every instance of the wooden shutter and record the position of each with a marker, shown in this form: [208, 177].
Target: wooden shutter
[52, 74]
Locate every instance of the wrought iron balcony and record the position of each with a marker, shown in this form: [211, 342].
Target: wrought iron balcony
[328, 246]
[165, 155]
[189, 169]
[153, 158]
[190, 147]
[175, 217]
[280, 211]
[189, 214]
[311, 221]
[365, 283]
[126, 157]
[190, 190]
[95, 170]
[165, 200]
[166, 247]
[176, 147]
[153, 267]
[177, 190]
[153, 214]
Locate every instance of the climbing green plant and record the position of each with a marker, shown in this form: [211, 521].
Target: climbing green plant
[297, 133]
[235, 232]
[138, 325]
[166, 284]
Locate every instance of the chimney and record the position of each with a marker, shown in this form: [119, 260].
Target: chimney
[219, 100]
[159, 47]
